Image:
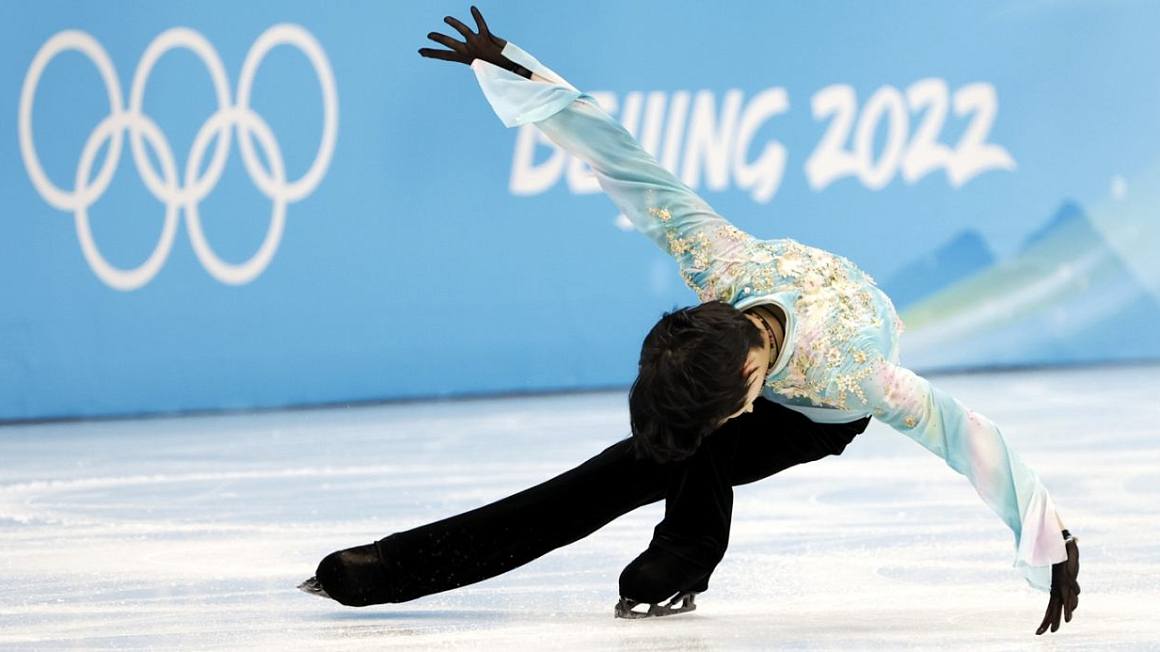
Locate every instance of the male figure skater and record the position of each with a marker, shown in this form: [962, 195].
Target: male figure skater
[804, 329]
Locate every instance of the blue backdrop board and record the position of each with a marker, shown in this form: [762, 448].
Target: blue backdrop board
[222, 204]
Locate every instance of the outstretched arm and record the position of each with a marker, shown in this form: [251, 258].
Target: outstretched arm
[522, 91]
[657, 203]
[973, 445]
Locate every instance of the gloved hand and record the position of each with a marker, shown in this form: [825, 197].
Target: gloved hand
[483, 45]
[1064, 588]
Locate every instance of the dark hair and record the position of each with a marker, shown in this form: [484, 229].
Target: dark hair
[690, 378]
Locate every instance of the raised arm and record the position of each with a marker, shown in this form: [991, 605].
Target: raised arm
[652, 198]
[522, 91]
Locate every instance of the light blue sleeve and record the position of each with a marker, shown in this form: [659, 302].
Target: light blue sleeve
[973, 446]
[651, 197]
[518, 100]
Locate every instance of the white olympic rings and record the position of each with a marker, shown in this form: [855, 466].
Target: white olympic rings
[188, 190]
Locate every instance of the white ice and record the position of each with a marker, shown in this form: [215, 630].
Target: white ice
[193, 532]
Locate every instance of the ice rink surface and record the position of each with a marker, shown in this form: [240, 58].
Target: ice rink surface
[192, 532]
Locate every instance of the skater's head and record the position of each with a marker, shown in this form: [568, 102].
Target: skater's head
[699, 367]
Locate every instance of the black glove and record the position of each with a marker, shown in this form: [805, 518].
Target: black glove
[484, 45]
[1064, 588]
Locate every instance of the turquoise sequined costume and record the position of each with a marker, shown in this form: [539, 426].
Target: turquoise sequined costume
[839, 361]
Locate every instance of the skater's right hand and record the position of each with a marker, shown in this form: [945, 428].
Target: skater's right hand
[484, 45]
[1064, 588]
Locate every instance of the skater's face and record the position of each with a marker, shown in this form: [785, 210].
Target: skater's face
[756, 369]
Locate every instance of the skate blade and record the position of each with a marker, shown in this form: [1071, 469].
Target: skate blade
[624, 608]
[313, 587]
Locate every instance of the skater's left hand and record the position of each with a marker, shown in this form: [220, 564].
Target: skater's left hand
[1064, 588]
[484, 45]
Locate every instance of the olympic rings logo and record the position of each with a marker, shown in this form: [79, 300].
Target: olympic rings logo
[186, 192]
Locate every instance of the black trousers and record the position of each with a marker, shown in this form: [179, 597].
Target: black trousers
[686, 545]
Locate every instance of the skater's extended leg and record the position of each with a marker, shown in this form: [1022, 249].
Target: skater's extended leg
[495, 538]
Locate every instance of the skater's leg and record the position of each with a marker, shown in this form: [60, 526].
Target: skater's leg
[495, 538]
[691, 540]
[774, 438]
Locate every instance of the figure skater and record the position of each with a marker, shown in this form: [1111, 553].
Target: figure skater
[789, 353]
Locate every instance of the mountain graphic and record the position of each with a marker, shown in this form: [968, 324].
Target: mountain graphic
[1066, 296]
[1069, 215]
[963, 256]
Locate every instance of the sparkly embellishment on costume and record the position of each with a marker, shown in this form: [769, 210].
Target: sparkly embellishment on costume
[761, 257]
[764, 280]
[838, 341]
[730, 232]
[709, 291]
[813, 280]
[791, 264]
[661, 214]
[834, 357]
[701, 248]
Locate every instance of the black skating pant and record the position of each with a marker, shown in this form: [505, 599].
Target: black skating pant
[686, 545]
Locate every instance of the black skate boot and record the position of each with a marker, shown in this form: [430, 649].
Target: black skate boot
[354, 577]
[651, 578]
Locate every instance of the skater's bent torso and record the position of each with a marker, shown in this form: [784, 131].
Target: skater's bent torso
[839, 327]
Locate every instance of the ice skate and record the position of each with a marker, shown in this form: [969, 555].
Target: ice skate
[624, 608]
[314, 587]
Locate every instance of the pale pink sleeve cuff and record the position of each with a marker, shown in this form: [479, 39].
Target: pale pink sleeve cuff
[1041, 543]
